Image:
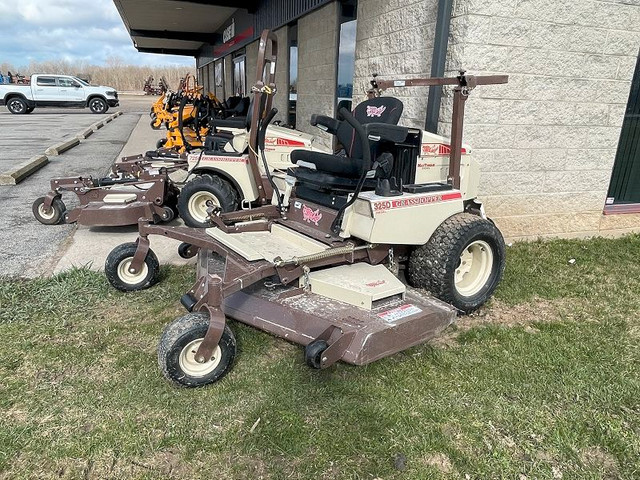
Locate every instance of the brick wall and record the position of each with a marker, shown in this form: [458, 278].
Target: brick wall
[546, 141]
[318, 37]
[394, 39]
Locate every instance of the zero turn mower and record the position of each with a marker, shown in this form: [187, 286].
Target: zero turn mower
[325, 264]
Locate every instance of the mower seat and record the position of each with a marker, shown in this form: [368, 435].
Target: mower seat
[384, 111]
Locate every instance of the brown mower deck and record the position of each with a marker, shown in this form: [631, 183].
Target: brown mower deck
[391, 326]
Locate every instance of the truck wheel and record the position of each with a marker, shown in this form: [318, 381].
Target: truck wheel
[116, 269]
[178, 345]
[462, 263]
[197, 193]
[49, 216]
[98, 105]
[17, 106]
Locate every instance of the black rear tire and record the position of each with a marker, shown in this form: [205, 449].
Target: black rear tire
[52, 216]
[118, 260]
[17, 106]
[180, 341]
[437, 265]
[194, 195]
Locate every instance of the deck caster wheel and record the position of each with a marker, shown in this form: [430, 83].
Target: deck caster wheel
[167, 214]
[160, 143]
[178, 346]
[49, 216]
[188, 302]
[186, 250]
[116, 268]
[313, 353]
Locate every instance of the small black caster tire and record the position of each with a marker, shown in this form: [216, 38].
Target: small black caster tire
[313, 353]
[178, 345]
[188, 302]
[50, 216]
[160, 143]
[167, 214]
[117, 264]
[186, 250]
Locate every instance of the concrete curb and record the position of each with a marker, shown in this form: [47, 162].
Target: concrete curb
[26, 168]
[82, 134]
[58, 148]
[23, 170]
[97, 126]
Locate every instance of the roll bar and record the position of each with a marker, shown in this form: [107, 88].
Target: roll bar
[463, 85]
[263, 91]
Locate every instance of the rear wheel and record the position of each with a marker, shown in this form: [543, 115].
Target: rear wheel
[17, 106]
[462, 263]
[116, 269]
[178, 346]
[49, 216]
[201, 192]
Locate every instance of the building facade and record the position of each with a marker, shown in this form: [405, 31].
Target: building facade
[558, 146]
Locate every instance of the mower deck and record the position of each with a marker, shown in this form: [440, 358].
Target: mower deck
[300, 316]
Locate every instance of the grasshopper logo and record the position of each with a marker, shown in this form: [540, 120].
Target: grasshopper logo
[309, 215]
[375, 111]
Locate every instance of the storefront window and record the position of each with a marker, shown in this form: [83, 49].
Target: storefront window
[346, 61]
[239, 76]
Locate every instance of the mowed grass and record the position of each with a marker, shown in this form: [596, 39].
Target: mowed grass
[541, 383]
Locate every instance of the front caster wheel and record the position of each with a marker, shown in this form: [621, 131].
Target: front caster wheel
[313, 353]
[177, 350]
[116, 268]
[49, 216]
[167, 214]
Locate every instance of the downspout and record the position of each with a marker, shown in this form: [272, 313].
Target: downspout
[438, 59]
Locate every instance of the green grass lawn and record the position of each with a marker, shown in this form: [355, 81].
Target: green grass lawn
[542, 383]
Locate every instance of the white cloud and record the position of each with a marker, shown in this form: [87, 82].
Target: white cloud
[87, 30]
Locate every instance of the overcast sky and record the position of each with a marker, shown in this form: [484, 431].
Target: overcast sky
[88, 30]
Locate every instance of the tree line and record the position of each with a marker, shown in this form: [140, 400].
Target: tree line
[115, 73]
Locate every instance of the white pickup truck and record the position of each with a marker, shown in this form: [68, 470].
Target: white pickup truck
[56, 91]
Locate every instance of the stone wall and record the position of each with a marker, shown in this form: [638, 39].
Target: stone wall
[394, 39]
[546, 141]
[318, 37]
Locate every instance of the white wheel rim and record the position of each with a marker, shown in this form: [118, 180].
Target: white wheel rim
[131, 278]
[192, 368]
[44, 213]
[476, 263]
[198, 205]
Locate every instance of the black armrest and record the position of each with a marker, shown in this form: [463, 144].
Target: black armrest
[328, 124]
[385, 131]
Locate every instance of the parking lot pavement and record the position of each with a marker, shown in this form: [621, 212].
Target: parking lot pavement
[23, 136]
[28, 248]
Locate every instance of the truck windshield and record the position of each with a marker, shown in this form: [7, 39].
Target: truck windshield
[82, 82]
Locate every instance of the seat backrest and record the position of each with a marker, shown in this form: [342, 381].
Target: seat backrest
[374, 110]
